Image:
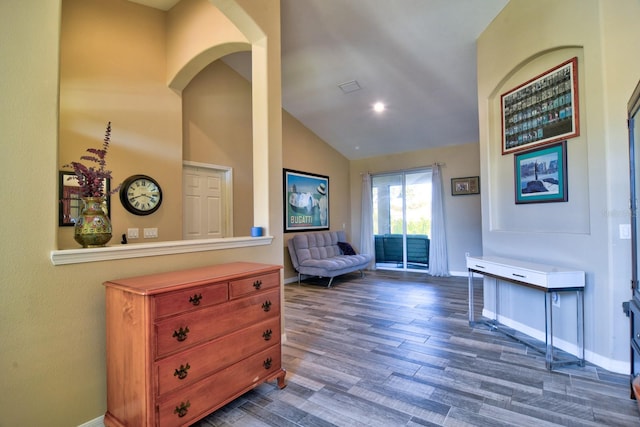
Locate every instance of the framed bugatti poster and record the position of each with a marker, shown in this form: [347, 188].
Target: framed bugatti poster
[306, 201]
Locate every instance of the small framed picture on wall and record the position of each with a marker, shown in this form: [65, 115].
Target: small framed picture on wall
[541, 174]
[466, 185]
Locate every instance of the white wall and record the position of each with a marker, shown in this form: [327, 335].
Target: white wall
[526, 39]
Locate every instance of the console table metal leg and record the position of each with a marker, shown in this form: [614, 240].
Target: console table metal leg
[471, 314]
[548, 326]
[580, 323]
[497, 301]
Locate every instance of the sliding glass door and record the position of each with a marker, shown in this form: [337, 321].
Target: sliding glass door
[402, 219]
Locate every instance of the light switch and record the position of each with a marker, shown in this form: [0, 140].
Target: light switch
[132, 233]
[150, 233]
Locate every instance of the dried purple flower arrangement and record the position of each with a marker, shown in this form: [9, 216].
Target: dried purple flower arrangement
[91, 178]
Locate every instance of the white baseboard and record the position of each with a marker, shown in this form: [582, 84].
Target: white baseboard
[617, 366]
[459, 273]
[293, 279]
[96, 422]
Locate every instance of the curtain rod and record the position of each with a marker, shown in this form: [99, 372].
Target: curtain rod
[406, 170]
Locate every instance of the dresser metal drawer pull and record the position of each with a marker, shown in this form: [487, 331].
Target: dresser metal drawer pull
[267, 334]
[518, 275]
[266, 306]
[267, 363]
[182, 410]
[257, 284]
[195, 300]
[181, 334]
[181, 372]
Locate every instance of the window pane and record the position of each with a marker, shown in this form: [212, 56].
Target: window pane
[402, 206]
[418, 199]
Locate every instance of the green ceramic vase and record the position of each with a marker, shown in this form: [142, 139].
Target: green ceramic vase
[93, 227]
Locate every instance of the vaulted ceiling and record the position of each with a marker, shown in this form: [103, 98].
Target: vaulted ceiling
[418, 57]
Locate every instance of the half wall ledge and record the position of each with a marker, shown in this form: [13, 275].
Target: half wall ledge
[138, 250]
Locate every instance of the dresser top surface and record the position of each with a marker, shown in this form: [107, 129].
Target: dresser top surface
[174, 280]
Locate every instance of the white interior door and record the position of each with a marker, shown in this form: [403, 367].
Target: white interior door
[206, 201]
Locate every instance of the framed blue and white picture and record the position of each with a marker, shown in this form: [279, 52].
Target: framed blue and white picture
[541, 174]
[306, 201]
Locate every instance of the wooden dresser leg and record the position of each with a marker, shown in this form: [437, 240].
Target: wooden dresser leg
[281, 383]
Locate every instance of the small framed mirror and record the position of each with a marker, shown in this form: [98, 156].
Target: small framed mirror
[69, 199]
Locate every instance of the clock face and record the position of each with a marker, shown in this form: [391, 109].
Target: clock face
[141, 195]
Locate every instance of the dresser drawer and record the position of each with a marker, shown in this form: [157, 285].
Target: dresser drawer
[181, 332]
[187, 405]
[238, 288]
[188, 367]
[525, 276]
[183, 301]
[519, 274]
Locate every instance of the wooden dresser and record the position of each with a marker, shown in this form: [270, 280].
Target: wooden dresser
[182, 344]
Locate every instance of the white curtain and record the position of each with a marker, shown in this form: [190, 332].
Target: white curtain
[438, 258]
[366, 229]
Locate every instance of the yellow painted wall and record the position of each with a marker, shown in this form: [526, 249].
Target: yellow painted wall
[112, 68]
[53, 334]
[217, 130]
[193, 27]
[304, 151]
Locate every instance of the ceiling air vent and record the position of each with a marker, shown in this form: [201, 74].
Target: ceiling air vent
[349, 87]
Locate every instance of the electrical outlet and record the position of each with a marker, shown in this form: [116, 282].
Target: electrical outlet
[150, 233]
[625, 231]
[132, 233]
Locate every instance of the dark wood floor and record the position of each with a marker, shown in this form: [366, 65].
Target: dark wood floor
[395, 349]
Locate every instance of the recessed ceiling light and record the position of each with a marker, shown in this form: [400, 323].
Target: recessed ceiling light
[378, 107]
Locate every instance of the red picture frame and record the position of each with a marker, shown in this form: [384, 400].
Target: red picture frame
[542, 110]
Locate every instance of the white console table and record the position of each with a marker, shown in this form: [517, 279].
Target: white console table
[546, 278]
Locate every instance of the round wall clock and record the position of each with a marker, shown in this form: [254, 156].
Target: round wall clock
[141, 195]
